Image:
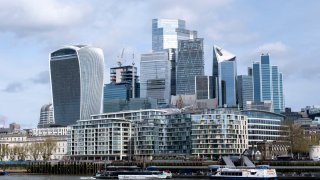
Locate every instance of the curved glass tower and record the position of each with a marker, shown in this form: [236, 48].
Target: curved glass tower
[77, 83]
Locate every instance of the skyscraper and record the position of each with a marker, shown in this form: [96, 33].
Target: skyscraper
[266, 87]
[267, 83]
[155, 72]
[167, 32]
[77, 83]
[46, 116]
[245, 90]
[126, 74]
[190, 64]
[227, 74]
[204, 87]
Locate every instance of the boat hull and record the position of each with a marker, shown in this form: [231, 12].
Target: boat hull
[249, 178]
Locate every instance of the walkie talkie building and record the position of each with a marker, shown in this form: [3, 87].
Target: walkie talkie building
[77, 83]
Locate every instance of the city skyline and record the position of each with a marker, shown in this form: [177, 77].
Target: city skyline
[245, 28]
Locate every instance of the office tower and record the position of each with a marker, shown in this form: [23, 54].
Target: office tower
[215, 75]
[77, 82]
[173, 70]
[227, 74]
[46, 116]
[190, 64]
[256, 82]
[267, 83]
[126, 75]
[167, 32]
[266, 87]
[204, 87]
[245, 90]
[155, 74]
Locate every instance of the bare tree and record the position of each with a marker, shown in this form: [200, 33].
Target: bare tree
[47, 148]
[35, 150]
[3, 151]
[21, 151]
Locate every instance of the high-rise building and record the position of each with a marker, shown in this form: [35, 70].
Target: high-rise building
[155, 71]
[227, 74]
[245, 90]
[190, 64]
[267, 83]
[256, 82]
[167, 32]
[46, 116]
[204, 87]
[77, 82]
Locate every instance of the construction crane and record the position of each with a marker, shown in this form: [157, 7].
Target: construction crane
[120, 59]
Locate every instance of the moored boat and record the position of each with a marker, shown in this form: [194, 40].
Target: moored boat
[244, 173]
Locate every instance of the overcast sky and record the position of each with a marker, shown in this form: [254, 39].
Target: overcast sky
[30, 29]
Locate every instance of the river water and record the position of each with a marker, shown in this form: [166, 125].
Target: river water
[48, 177]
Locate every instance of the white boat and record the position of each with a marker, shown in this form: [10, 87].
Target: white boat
[262, 172]
[146, 175]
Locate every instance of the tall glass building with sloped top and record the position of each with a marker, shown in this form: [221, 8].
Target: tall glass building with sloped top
[77, 83]
[227, 75]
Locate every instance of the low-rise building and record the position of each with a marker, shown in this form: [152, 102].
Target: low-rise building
[24, 145]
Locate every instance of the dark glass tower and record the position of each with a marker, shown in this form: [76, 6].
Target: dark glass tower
[77, 83]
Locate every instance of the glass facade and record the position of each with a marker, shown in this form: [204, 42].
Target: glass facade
[275, 89]
[263, 125]
[155, 71]
[256, 82]
[77, 83]
[245, 90]
[266, 84]
[228, 74]
[167, 32]
[190, 64]
[204, 87]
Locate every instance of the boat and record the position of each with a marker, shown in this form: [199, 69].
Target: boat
[244, 173]
[4, 173]
[134, 175]
[250, 171]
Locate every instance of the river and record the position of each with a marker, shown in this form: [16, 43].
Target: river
[48, 177]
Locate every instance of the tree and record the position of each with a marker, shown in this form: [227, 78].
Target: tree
[21, 151]
[298, 139]
[47, 148]
[12, 152]
[3, 151]
[35, 150]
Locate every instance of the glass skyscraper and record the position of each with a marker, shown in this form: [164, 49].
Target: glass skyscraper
[204, 87]
[190, 64]
[266, 87]
[227, 74]
[167, 32]
[155, 76]
[267, 83]
[77, 83]
[245, 90]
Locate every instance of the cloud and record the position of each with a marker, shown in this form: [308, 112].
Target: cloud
[25, 16]
[277, 48]
[13, 88]
[41, 78]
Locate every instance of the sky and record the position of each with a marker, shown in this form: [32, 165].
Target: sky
[30, 29]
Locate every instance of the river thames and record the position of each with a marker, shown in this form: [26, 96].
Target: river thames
[54, 177]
